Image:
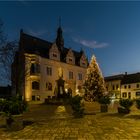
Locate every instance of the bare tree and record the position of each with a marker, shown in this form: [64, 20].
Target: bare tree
[2, 35]
[7, 53]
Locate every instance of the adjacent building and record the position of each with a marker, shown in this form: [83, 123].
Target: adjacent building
[124, 85]
[130, 86]
[113, 85]
[42, 68]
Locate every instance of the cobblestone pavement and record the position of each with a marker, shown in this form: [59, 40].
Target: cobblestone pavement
[57, 123]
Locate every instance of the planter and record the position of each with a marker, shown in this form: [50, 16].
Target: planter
[14, 125]
[104, 108]
[123, 110]
[9, 121]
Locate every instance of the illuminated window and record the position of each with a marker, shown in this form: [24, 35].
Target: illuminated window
[138, 94]
[49, 71]
[124, 94]
[35, 85]
[38, 97]
[70, 75]
[117, 86]
[79, 76]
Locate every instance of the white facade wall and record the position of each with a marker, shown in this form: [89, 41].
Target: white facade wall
[129, 91]
[117, 87]
[43, 78]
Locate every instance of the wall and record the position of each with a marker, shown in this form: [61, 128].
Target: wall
[43, 77]
[133, 89]
[116, 91]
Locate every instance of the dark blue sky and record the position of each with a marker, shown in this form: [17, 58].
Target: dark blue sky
[110, 30]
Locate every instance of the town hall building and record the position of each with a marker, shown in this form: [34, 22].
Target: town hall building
[43, 69]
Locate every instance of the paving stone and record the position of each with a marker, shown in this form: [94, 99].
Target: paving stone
[92, 127]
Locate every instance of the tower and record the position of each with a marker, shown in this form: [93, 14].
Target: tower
[59, 38]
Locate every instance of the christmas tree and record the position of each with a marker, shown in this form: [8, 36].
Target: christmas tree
[94, 82]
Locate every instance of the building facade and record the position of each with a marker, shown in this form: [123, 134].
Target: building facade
[126, 86]
[42, 69]
[130, 86]
[113, 85]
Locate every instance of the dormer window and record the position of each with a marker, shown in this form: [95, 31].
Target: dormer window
[54, 55]
[70, 59]
[83, 61]
[54, 52]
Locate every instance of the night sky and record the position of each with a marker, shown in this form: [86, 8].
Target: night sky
[109, 30]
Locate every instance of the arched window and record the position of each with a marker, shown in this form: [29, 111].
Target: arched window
[35, 85]
[32, 70]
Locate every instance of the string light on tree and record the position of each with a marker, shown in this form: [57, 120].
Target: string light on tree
[94, 82]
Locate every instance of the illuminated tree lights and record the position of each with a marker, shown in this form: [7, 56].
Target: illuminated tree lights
[94, 83]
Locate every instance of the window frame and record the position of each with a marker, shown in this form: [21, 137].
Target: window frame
[71, 76]
[49, 86]
[35, 68]
[35, 85]
[138, 86]
[49, 71]
[80, 76]
[124, 94]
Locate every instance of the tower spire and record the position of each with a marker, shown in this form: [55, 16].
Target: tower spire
[59, 38]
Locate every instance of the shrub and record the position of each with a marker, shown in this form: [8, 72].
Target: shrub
[138, 103]
[104, 100]
[126, 103]
[14, 106]
[77, 106]
[1, 104]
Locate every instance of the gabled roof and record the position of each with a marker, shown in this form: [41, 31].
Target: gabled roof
[125, 78]
[114, 77]
[34, 45]
[131, 78]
